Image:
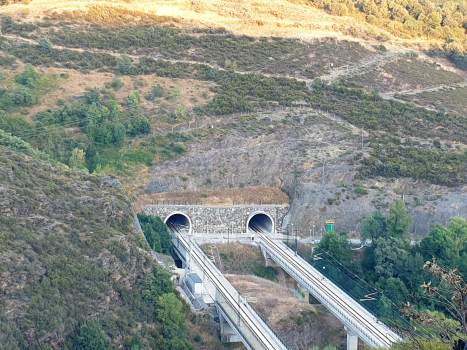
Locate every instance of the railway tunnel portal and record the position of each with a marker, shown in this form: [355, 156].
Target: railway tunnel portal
[260, 222]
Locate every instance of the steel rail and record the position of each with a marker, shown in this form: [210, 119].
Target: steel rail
[383, 337]
[264, 339]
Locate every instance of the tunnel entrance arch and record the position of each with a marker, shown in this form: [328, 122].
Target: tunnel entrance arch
[259, 221]
[178, 220]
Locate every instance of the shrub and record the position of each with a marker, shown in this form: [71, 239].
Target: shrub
[266, 272]
[45, 44]
[23, 96]
[361, 191]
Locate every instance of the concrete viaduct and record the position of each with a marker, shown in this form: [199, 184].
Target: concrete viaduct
[239, 322]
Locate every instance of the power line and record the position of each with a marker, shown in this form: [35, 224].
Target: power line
[372, 287]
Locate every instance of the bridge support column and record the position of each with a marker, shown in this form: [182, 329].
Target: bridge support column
[228, 335]
[305, 294]
[352, 339]
[267, 258]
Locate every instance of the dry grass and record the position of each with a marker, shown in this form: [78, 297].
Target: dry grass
[253, 195]
[236, 258]
[276, 301]
[298, 323]
[298, 18]
[78, 82]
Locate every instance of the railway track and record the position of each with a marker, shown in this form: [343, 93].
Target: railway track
[386, 337]
[260, 330]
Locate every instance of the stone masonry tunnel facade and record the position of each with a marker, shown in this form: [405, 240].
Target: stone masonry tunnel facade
[204, 219]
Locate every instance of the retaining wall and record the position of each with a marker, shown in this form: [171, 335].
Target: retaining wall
[219, 219]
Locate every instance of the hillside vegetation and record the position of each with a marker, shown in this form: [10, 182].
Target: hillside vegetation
[72, 268]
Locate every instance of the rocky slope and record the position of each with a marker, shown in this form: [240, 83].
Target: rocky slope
[69, 253]
[313, 158]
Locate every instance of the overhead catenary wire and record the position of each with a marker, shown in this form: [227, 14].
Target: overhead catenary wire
[391, 305]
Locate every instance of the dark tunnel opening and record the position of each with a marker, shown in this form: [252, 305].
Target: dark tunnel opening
[179, 223]
[260, 223]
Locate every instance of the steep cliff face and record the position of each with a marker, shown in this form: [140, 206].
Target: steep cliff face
[68, 253]
[311, 156]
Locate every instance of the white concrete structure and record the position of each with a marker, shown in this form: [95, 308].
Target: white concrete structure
[195, 284]
[359, 322]
[239, 322]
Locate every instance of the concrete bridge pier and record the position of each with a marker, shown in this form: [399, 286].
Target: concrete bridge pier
[352, 339]
[267, 258]
[305, 293]
[228, 334]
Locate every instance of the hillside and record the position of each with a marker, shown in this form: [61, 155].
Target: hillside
[168, 108]
[68, 255]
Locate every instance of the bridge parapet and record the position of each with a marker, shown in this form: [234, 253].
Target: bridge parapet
[250, 328]
[357, 319]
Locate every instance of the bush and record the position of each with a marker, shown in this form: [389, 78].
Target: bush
[45, 44]
[361, 191]
[23, 96]
[268, 273]
[91, 337]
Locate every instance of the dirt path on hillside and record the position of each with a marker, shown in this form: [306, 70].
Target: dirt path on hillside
[341, 72]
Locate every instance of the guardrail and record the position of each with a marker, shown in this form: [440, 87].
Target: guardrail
[251, 321]
[318, 289]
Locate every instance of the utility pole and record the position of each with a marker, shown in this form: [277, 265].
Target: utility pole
[362, 137]
[322, 184]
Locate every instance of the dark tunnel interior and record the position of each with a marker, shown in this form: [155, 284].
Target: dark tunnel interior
[179, 223]
[261, 223]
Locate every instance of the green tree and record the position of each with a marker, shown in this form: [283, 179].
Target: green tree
[91, 337]
[45, 44]
[374, 227]
[29, 77]
[134, 101]
[2, 75]
[180, 111]
[77, 159]
[7, 23]
[119, 134]
[158, 91]
[124, 64]
[23, 96]
[136, 343]
[170, 310]
[156, 231]
[395, 289]
[155, 283]
[390, 255]
[230, 66]
[176, 92]
[441, 244]
[399, 220]
[140, 125]
[93, 96]
[335, 245]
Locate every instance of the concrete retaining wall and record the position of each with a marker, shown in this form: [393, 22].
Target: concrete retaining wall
[218, 219]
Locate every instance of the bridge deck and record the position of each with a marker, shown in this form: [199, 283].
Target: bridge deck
[251, 328]
[358, 319]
